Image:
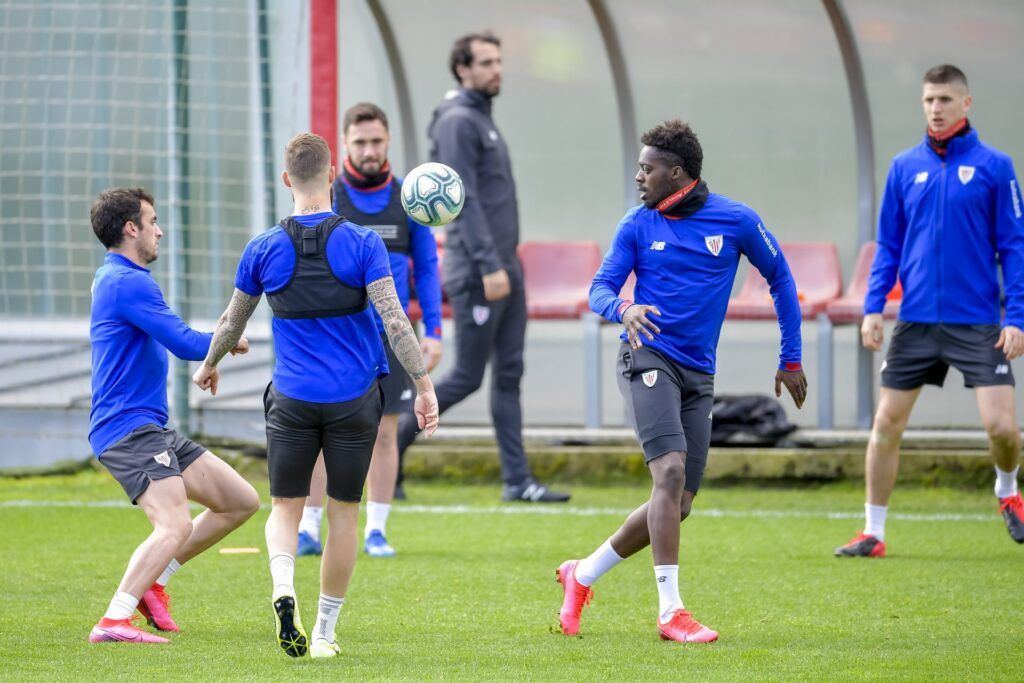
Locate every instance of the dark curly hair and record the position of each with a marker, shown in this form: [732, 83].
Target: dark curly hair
[115, 207]
[678, 141]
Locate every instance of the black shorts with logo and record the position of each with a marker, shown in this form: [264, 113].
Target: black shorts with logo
[669, 406]
[397, 386]
[147, 454]
[921, 353]
[298, 430]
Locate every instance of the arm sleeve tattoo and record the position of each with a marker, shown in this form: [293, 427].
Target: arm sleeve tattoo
[231, 326]
[400, 333]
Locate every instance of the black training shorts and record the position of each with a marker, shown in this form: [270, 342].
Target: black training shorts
[669, 406]
[298, 430]
[149, 453]
[397, 386]
[921, 353]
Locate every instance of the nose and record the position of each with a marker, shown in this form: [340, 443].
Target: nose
[639, 177]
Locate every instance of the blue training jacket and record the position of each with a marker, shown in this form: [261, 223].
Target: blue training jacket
[944, 223]
[686, 267]
[131, 331]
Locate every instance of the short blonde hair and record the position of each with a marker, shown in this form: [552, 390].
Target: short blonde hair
[306, 156]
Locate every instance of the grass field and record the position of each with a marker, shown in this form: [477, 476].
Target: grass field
[472, 594]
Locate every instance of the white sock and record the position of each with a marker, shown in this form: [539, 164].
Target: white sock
[311, 517]
[667, 576]
[122, 606]
[169, 572]
[377, 517]
[1006, 483]
[282, 571]
[598, 563]
[874, 520]
[327, 617]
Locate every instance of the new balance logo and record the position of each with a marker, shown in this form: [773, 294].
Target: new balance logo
[662, 579]
[657, 246]
[921, 177]
[1002, 369]
[1015, 193]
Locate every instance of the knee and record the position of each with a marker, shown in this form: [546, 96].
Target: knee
[887, 429]
[1003, 433]
[178, 530]
[248, 503]
[670, 476]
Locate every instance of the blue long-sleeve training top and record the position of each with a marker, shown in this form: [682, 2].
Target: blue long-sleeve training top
[942, 225]
[686, 267]
[131, 331]
[422, 249]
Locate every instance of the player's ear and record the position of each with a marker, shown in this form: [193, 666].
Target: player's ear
[285, 179]
[332, 174]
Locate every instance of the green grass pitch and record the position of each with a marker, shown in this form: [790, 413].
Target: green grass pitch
[472, 595]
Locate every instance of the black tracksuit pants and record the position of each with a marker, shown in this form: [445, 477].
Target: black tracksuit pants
[486, 331]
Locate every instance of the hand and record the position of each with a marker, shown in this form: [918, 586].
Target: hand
[206, 378]
[241, 347]
[635, 320]
[1011, 341]
[796, 384]
[431, 350]
[496, 285]
[872, 332]
[425, 408]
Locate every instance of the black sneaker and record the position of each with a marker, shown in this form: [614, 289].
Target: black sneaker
[290, 634]
[863, 545]
[532, 492]
[1012, 509]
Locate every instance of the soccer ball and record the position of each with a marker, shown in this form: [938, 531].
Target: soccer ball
[433, 194]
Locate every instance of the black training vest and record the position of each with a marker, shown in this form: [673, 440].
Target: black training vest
[314, 291]
[391, 224]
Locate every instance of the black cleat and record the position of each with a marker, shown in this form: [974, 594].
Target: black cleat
[400, 492]
[532, 492]
[864, 545]
[1012, 509]
[290, 634]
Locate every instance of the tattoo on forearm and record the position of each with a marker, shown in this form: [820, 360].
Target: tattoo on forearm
[400, 333]
[231, 326]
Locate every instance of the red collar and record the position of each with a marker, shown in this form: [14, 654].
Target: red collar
[671, 200]
[949, 132]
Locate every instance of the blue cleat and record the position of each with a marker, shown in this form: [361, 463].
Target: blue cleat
[377, 546]
[308, 545]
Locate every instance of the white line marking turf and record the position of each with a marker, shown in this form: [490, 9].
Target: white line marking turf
[556, 510]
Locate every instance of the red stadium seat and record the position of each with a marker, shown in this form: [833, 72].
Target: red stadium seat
[818, 276]
[850, 308]
[557, 277]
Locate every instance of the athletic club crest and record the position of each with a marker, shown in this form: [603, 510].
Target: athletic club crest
[481, 314]
[650, 377]
[965, 173]
[713, 243]
[163, 458]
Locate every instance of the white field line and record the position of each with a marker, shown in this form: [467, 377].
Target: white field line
[558, 510]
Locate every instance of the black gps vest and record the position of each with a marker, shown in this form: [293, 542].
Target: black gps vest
[392, 224]
[314, 291]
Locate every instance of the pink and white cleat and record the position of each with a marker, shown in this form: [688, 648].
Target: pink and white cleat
[683, 628]
[155, 605]
[576, 597]
[121, 631]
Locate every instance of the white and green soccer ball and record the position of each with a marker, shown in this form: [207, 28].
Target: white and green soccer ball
[433, 194]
